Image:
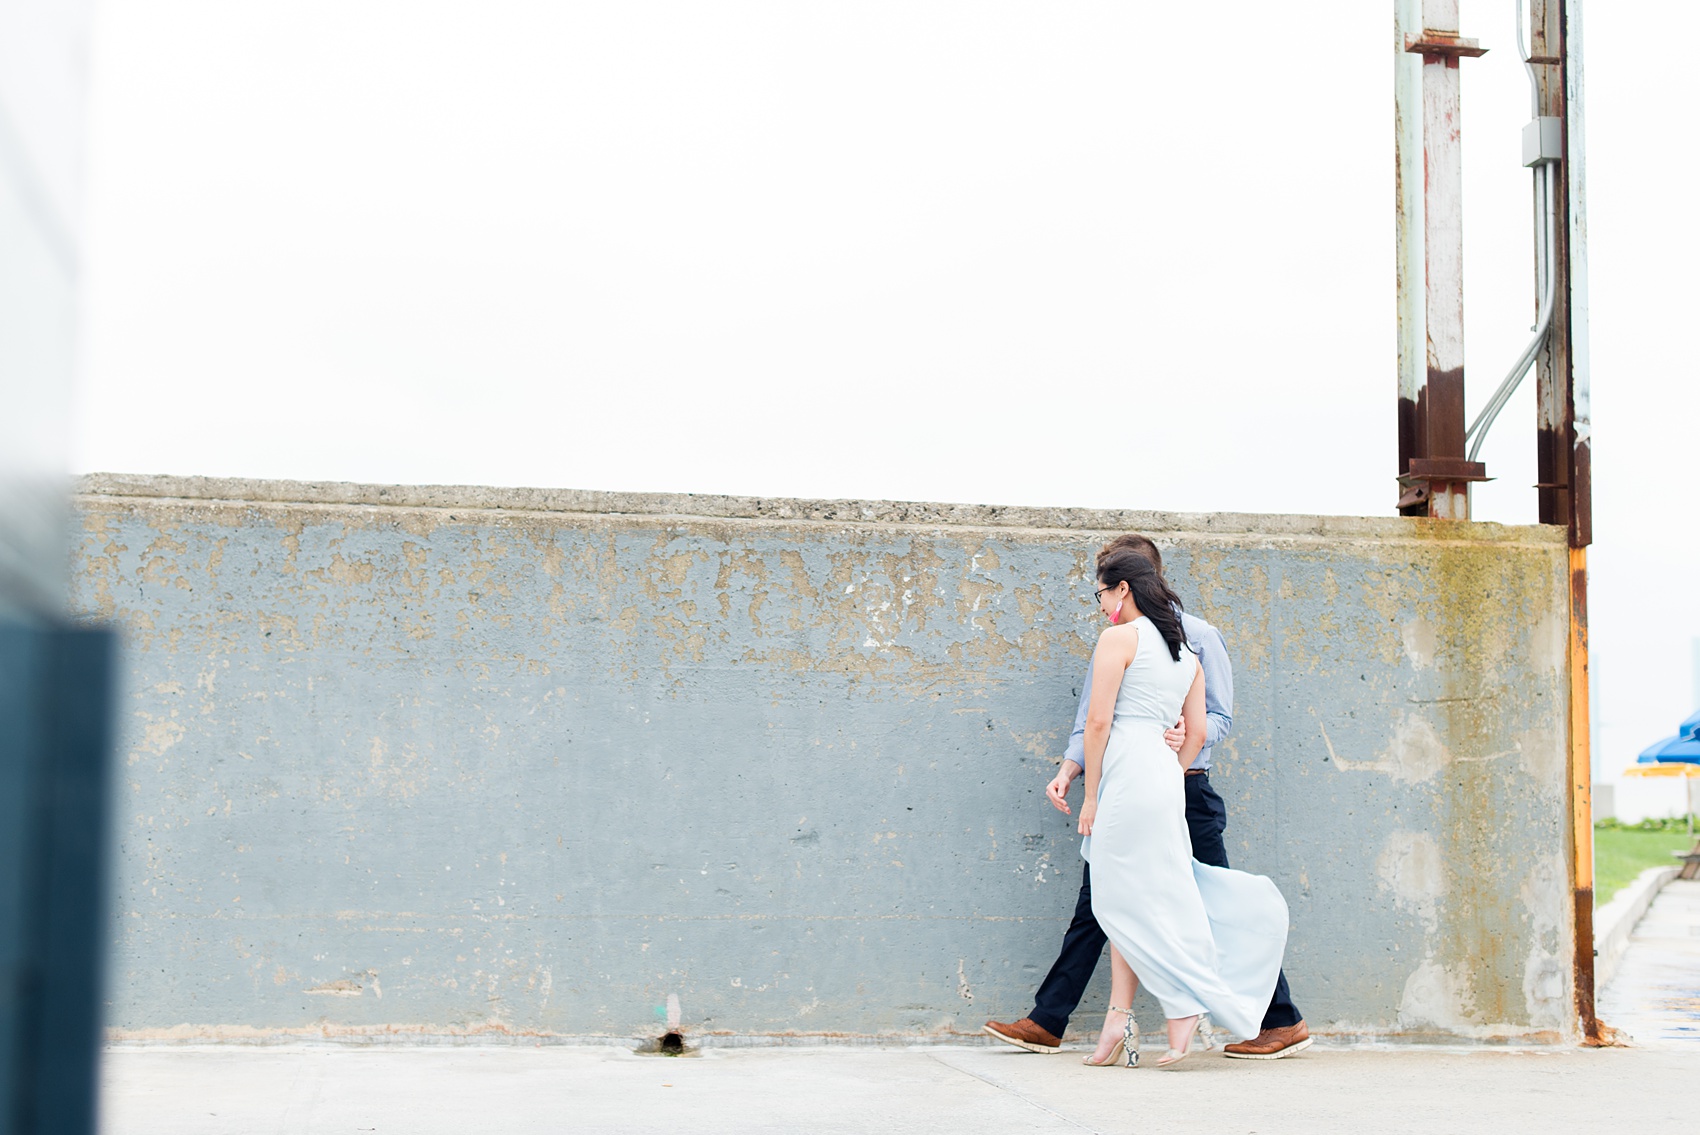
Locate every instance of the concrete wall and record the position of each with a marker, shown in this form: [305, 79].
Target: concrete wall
[464, 761]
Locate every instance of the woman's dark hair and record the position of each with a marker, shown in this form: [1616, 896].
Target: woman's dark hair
[1151, 592]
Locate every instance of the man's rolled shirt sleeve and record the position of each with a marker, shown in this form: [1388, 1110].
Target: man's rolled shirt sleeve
[1218, 684]
[1076, 751]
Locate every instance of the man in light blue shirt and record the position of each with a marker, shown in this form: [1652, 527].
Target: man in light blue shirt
[1284, 1032]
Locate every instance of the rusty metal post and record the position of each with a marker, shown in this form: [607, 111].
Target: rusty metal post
[1582, 803]
[1561, 369]
[1562, 433]
[1434, 471]
[1408, 179]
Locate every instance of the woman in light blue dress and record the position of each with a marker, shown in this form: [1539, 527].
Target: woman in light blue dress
[1201, 939]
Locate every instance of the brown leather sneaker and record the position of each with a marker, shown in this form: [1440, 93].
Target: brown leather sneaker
[1024, 1034]
[1271, 1044]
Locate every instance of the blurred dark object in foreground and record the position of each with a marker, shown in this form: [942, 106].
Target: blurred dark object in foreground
[55, 727]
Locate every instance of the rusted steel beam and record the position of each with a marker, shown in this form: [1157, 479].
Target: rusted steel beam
[1435, 473]
[1582, 804]
[1578, 411]
[1562, 445]
[1552, 365]
[1408, 181]
[1563, 423]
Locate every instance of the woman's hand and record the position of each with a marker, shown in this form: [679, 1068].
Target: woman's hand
[1088, 813]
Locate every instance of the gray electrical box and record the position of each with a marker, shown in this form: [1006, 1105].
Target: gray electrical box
[1543, 140]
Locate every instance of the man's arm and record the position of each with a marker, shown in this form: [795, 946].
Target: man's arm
[1074, 758]
[1192, 715]
[1218, 684]
[1076, 752]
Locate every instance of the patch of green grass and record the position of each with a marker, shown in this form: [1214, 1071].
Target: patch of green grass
[1621, 853]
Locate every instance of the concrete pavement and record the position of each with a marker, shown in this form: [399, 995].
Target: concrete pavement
[423, 1090]
[306, 1090]
[1655, 994]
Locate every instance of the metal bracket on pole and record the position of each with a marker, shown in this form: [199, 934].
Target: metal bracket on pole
[1422, 474]
[1443, 43]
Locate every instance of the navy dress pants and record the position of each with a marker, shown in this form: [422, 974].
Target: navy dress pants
[1060, 993]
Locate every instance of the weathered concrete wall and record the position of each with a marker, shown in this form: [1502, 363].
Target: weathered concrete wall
[463, 760]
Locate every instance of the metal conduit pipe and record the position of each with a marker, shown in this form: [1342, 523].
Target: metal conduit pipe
[1477, 433]
[1546, 239]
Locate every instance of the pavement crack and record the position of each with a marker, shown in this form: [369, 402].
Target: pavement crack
[1016, 1092]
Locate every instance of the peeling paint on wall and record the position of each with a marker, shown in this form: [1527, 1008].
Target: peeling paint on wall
[416, 760]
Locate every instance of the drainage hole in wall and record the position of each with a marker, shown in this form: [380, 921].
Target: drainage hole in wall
[669, 1043]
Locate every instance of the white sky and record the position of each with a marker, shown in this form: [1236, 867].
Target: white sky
[929, 249]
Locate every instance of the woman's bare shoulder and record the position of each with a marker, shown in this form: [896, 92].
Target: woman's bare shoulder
[1122, 636]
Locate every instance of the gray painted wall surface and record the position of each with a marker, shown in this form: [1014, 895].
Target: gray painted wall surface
[476, 761]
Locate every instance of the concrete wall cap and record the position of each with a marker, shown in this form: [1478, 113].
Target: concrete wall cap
[926, 514]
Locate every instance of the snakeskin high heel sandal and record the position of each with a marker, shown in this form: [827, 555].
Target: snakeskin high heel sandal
[1130, 1040]
[1201, 1039]
[1205, 1035]
[1126, 1049]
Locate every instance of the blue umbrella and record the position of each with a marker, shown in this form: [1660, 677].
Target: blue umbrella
[1672, 750]
[1690, 729]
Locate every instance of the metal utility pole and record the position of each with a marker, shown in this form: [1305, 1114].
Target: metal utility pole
[1561, 369]
[1433, 469]
[1562, 430]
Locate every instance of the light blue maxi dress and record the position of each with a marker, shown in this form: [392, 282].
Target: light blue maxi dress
[1202, 939]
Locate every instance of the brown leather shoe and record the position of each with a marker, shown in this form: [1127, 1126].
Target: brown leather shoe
[1024, 1034]
[1271, 1044]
